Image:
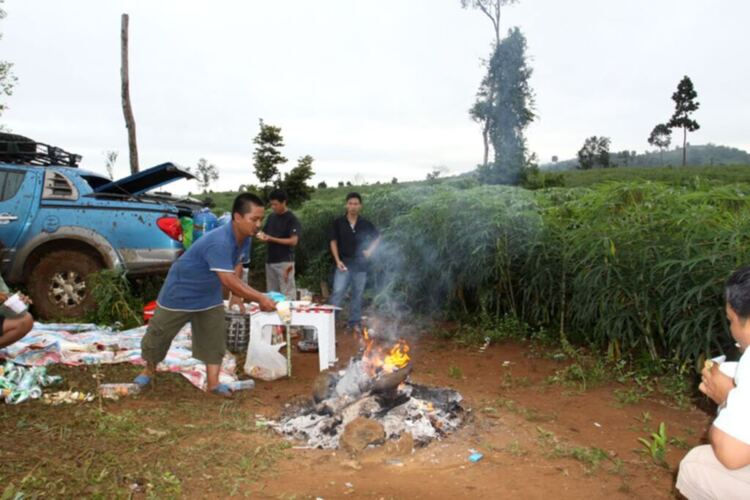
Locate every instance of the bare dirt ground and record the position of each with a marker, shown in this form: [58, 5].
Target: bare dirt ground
[539, 439]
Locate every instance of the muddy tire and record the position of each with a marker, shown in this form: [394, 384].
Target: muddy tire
[59, 287]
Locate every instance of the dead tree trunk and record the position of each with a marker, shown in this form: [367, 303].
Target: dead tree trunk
[127, 109]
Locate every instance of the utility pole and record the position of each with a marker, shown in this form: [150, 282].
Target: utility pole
[127, 109]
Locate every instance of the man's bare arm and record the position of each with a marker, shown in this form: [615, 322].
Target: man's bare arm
[336, 258]
[731, 452]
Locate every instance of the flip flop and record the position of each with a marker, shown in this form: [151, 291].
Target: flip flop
[222, 390]
[142, 381]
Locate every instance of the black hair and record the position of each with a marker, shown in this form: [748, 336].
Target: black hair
[737, 292]
[354, 194]
[278, 195]
[243, 202]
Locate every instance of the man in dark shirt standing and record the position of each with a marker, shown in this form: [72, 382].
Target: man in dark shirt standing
[353, 241]
[281, 232]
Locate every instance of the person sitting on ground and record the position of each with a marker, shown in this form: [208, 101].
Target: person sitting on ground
[193, 292]
[13, 326]
[721, 469]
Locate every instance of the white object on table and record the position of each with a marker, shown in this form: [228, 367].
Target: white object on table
[322, 318]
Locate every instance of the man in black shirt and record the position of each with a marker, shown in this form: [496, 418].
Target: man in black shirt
[281, 232]
[353, 241]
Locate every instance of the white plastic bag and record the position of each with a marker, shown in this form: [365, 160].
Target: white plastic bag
[264, 361]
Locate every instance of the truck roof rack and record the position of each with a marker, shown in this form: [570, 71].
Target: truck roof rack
[22, 150]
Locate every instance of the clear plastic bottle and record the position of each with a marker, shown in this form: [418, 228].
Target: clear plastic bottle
[242, 385]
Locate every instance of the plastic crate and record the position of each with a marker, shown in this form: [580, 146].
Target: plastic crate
[238, 331]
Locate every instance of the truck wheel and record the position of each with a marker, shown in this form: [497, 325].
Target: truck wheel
[59, 284]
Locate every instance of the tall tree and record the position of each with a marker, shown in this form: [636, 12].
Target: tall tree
[127, 108]
[661, 137]
[595, 152]
[295, 181]
[491, 9]
[267, 157]
[685, 105]
[481, 110]
[205, 174]
[512, 110]
[7, 78]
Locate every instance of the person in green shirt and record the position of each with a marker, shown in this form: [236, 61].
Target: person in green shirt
[13, 326]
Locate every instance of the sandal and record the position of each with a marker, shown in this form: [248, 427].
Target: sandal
[142, 381]
[222, 390]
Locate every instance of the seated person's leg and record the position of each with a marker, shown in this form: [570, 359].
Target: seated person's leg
[14, 329]
[701, 475]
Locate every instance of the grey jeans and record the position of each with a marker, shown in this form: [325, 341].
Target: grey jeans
[275, 281]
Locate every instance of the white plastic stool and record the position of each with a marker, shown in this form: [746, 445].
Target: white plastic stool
[322, 318]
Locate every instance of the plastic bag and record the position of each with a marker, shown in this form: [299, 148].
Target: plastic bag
[265, 362]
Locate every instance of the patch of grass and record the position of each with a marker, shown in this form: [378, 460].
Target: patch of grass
[528, 414]
[590, 457]
[455, 372]
[582, 374]
[509, 381]
[679, 442]
[515, 449]
[137, 446]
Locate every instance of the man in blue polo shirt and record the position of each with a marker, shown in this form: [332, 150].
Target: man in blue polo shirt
[192, 293]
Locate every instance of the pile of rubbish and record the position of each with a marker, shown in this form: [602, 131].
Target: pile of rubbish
[20, 383]
[88, 344]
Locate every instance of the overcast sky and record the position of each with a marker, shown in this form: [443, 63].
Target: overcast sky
[372, 89]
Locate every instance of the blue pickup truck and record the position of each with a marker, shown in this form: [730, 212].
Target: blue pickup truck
[59, 224]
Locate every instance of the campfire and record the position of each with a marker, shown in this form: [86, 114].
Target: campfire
[373, 392]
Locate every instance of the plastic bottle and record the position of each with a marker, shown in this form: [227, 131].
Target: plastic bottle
[242, 385]
[116, 390]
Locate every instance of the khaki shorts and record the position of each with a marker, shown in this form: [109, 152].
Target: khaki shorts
[208, 328]
[702, 476]
[275, 281]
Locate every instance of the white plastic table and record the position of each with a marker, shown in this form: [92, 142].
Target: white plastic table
[320, 317]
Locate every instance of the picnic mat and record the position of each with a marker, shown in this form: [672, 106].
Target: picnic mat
[88, 344]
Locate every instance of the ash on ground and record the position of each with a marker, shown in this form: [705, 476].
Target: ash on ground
[387, 403]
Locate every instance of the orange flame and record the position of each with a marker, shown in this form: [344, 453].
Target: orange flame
[397, 358]
[376, 359]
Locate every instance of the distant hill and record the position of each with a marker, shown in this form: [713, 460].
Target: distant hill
[699, 155]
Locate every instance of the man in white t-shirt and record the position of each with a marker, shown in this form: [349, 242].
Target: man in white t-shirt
[721, 469]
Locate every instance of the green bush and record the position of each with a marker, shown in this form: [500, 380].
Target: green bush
[633, 268]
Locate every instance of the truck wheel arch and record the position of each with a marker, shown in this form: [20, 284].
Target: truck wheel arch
[74, 239]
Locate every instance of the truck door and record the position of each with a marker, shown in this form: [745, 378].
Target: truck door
[17, 194]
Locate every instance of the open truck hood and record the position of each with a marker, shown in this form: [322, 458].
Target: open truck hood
[146, 180]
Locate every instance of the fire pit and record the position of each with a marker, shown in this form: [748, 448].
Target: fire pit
[373, 387]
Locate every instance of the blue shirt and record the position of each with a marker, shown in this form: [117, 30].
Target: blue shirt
[192, 283]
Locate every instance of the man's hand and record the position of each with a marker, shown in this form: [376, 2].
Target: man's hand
[26, 300]
[266, 304]
[715, 384]
[287, 272]
[262, 236]
[341, 266]
[3, 297]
